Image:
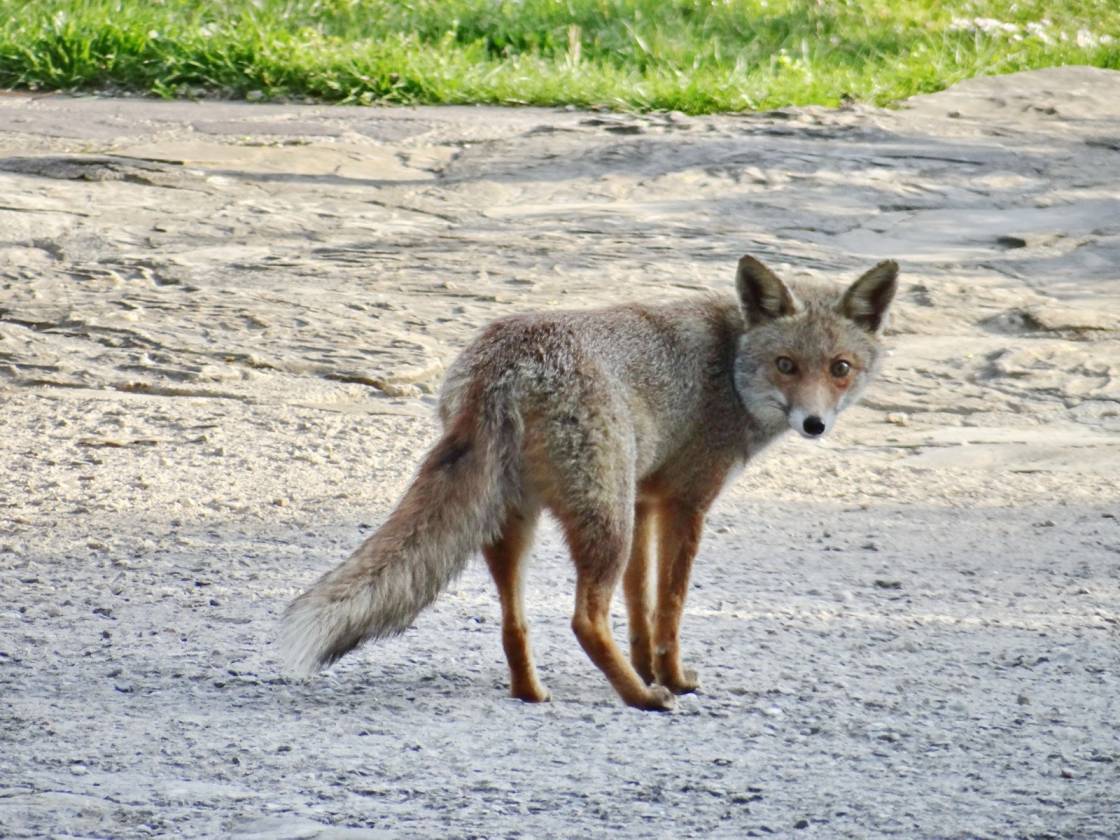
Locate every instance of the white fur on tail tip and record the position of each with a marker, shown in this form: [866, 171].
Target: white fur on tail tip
[303, 636]
[312, 627]
[445, 515]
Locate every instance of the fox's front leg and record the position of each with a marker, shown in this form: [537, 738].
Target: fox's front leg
[679, 538]
[636, 586]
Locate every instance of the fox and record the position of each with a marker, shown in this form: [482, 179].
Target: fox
[625, 423]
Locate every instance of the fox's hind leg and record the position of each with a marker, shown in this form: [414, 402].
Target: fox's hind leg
[678, 540]
[504, 559]
[636, 586]
[580, 459]
[600, 543]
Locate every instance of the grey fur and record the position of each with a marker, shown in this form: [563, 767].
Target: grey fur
[596, 415]
[452, 507]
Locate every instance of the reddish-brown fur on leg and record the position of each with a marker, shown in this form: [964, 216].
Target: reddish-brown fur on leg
[504, 558]
[600, 547]
[636, 587]
[678, 541]
[592, 627]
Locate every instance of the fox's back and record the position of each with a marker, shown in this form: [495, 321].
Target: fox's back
[652, 374]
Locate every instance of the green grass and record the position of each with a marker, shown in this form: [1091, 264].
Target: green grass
[697, 57]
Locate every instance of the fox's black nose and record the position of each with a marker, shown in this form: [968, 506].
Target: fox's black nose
[813, 426]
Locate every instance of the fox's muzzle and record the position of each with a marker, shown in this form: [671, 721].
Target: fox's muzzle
[811, 424]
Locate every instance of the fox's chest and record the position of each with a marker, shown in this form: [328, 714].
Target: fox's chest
[704, 458]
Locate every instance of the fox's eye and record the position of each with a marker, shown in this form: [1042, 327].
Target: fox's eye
[785, 365]
[841, 368]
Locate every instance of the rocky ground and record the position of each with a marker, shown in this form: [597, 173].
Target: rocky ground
[221, 328]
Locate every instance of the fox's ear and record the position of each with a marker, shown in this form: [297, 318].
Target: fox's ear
[867, 299]
[761, 294]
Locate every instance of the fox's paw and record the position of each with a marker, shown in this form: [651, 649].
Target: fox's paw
[686, 682]
[658, 699]
[531, 693]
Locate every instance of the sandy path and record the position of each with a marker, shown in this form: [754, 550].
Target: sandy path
[220, 329]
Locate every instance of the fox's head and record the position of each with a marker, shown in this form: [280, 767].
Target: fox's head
[808, 351]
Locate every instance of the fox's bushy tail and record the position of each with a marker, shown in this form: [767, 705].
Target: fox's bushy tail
[453, 507]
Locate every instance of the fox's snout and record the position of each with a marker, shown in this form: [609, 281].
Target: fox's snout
[813, 426]
[814, 400]
[809, 424]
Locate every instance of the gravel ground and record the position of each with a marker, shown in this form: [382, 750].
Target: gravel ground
[221, 327]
